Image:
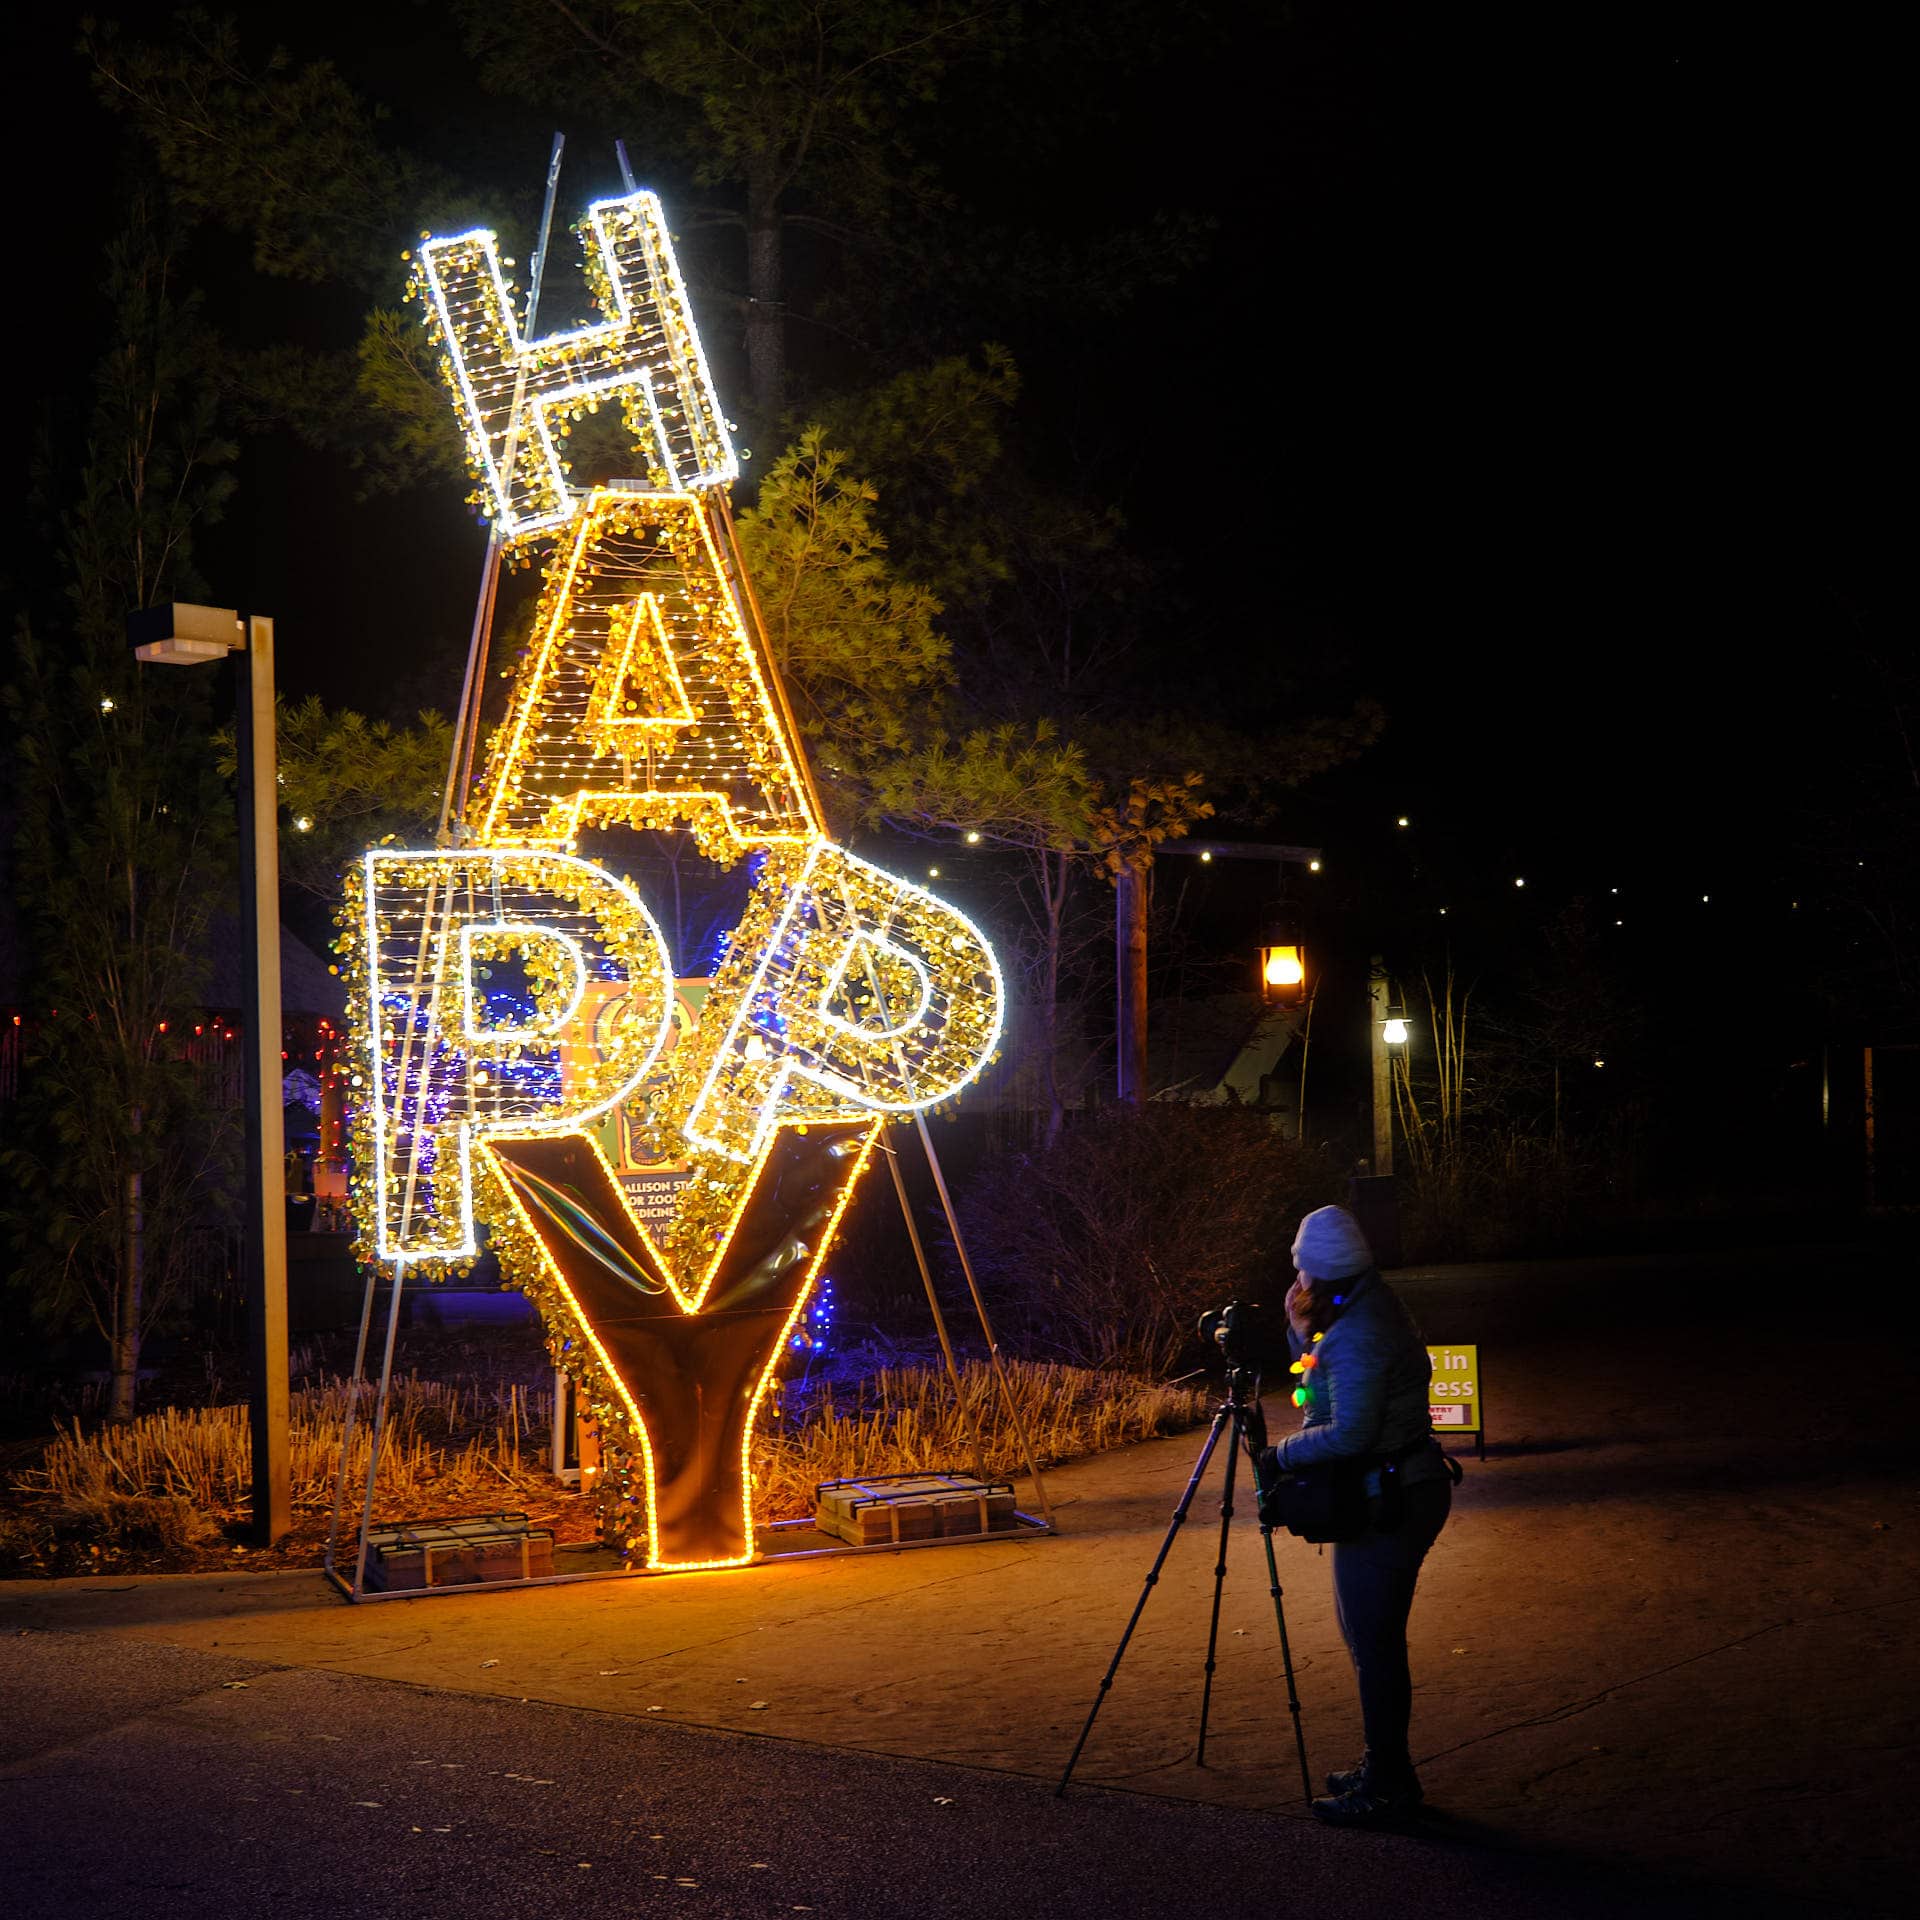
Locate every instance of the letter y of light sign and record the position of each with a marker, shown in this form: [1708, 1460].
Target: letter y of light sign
[517, 398]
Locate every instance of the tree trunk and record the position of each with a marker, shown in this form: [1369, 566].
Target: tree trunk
[129, 1306]
[1055, 895]
[766, 307]
[1130, 957]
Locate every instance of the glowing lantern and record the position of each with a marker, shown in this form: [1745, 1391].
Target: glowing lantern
[1283, 972]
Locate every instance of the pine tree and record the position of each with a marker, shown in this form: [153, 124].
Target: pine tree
[115, 1149]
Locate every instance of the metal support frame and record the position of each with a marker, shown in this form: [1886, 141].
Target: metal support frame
[933, 1298]
[986, 1325]
[452, 826]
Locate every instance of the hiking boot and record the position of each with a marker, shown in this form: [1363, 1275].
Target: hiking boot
[1365, 1806]
[1355, 1778]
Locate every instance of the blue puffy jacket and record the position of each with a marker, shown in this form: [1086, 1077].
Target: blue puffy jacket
[1368, 1388]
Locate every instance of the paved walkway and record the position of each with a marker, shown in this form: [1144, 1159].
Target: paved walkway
[1653, 1639]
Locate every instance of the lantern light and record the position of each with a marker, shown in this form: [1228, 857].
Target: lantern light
[1283, 969]
[1394, 1033]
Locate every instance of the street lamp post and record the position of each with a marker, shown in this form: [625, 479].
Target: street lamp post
[1382, 1061]
[1374, 1196]
[182, 635]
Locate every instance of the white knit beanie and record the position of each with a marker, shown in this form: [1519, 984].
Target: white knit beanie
[1330, 1245]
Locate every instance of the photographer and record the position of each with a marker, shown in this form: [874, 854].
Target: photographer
[1364, 1376]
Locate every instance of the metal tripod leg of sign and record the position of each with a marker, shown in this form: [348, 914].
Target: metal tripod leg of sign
[453, 802]
[966, 1267]
[986, 1325]
[353, 1407]
[933, 1302]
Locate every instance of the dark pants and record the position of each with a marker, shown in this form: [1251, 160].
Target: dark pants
[1373, 1581]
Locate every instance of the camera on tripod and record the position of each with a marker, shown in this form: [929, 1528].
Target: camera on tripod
[1248, 1334]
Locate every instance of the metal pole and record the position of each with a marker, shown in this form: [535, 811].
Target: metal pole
[1382, 1059]
[546, 227]
[379, 1424]
[933, 1301]
[1280, 1619]
[473, 692]
[986, 1325]
[264, 1229]
[467, 725]
[1306, 1041]
[1219, 1576]
[1866, 1123]
[353, 1407]
[1130, 973]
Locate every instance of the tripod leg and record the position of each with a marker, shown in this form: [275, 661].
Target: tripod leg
[1220, 1420]
[1286, 1651]
[1219, 1587]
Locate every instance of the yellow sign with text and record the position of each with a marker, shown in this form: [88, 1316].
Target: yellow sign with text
[1454, 1397]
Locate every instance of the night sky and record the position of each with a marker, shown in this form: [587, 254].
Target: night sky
[1534, 383]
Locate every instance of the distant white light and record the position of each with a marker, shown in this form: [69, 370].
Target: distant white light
[973, 838]
[933, 873]
[1205, 855]
[1313, 866]
[1704, 898]
[304, 824]
[1519, 882]
[106, 705]
[1599, 1063]
[1403, 821]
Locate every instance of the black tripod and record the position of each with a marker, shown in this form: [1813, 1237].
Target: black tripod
[1232, 1412]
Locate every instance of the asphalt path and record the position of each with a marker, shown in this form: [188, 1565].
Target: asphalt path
[157, 1781]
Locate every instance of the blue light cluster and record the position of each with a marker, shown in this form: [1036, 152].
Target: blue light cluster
[815, 1333]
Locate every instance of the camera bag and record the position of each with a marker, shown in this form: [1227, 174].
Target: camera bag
[1326, 1501]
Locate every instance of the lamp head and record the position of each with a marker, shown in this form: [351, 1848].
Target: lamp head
[181, 635]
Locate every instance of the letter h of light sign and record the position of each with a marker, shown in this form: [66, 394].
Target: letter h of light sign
[517, 398]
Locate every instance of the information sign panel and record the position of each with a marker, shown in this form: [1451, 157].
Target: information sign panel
[1454, 1396]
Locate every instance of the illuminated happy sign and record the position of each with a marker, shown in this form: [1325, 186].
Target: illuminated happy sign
[646, 701]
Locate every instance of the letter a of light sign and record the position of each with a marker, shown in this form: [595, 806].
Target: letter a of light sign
[644, 701]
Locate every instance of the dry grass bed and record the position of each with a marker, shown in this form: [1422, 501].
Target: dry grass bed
[170, 1490]
[904, 1418]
